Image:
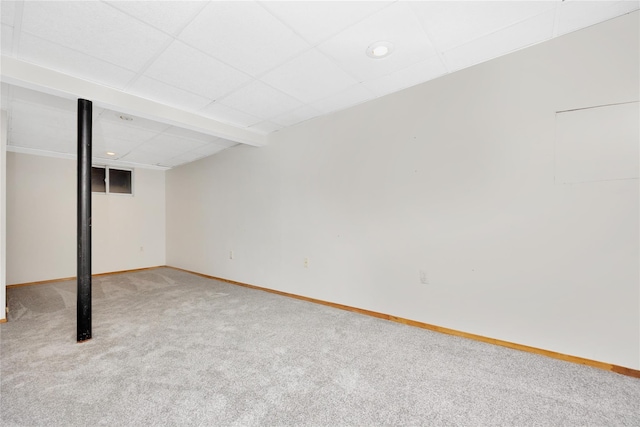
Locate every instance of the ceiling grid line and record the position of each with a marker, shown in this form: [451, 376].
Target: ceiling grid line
[556, 19]
[17, 28]
[319, 42]
[238, 71]
[439, 52]
[174, 36]
[75, 50]
[149, 62]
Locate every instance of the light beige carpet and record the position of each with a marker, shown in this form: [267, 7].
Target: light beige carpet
[173, 348]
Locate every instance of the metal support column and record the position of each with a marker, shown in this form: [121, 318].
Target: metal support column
[84, 220]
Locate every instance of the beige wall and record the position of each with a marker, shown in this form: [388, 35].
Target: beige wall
[128, 231]
[454, 177]
[3, 224]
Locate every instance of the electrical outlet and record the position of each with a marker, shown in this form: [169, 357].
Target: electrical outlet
[230, 254]
[423, 277]
[306, 262]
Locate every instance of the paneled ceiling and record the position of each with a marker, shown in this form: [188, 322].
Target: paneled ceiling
[174, 81]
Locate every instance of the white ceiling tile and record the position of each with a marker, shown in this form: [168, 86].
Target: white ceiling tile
[407, 77]
[185, 158]
[266, 127]
[44, 115]
[396, 24]
[50, 55]
[122, 131]
[317, 20]
[260, 100]
[166, 94]
[40, 99]
[243, 35]
[450, 24]
[229, 115]
[175, 162]
[23, 124]
[189, 69]
[101, 145]
[168, 16]
[148, 158]
[7, 12]
[296, 116]
[356, 94]
[209, 149]
[4, 95]
[7, 40]
[309, 77]
[97, 156]
[270, 41]
[94, 28]
[106, 115]
[226, 143]
[182, 133]
[148, 153]
[532, 31]
[573, 15]
[41, 138]
[170, 143]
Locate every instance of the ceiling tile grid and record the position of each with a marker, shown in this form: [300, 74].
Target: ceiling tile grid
[69, 61]
[56, 121]
[349, 97]
[33, 140]
[506, 40]
[94, 28]
[243, 35]
[573, 15]
[158, 91]
[397, 24]
[407, 77]
[309, 77]
[42, 100]
[261, 100]
[7, 39]
[121, 131]
[316, 21]
[296, 116]
[7, 12]
[255, 65]
[188, 69]
[189, 134]
[229, 115]
[266, 127]
[451, 24]
[167, 16]
[105, 115]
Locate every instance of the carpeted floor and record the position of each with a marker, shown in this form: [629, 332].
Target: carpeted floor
[173, 348]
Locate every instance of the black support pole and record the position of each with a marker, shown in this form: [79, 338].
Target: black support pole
[84, 220]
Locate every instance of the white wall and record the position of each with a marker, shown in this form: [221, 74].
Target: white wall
[3, 199]
[41, 221]
[454, 177]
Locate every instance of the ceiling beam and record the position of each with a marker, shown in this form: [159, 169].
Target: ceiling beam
[30, 76]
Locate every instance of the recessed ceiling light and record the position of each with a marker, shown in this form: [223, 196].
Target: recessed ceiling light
[125, 118]
[379, 50]
[110, 153]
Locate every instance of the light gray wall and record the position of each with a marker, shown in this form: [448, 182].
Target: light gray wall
[41, 221]
[454, 177]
